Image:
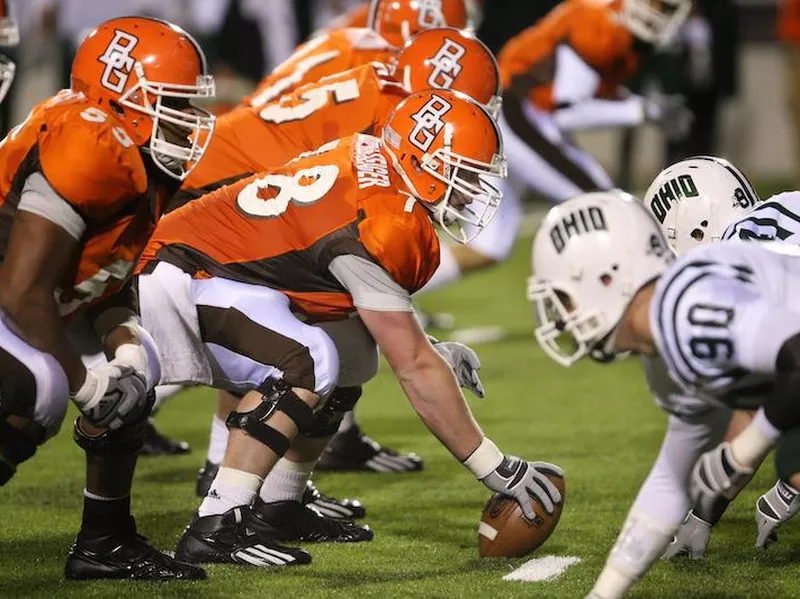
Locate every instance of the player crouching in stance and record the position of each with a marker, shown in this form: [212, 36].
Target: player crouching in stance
[697, 201]
[83, 183]
[718, 320]
[346, 229]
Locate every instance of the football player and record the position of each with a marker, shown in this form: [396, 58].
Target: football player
[566, 73]
[249, 139]
[721, 322]
[705, 199]
[344, 230]
[390, 24]
[84, 179]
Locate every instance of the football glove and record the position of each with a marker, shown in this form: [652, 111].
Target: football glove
[773, 508]
[671, 114]
[525, 481]
[691, 540]
[716, 474]
[112, 396]
[464, 362]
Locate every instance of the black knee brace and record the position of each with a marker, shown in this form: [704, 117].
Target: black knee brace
[327, 419]
[781, 406]
[276, 394]
[125, 440]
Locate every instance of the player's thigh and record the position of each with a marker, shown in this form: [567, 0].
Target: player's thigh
[251, 334]
[543, 158]
[497, 240]
[358, 352]
[32, 383]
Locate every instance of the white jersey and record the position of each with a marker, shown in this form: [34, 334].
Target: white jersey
[777, 219]
[720, 315]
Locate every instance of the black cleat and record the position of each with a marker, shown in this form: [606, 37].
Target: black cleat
[205, 476]
[8, 470]
[348, 509]
[124, 556]
[353, 451]
[234, 538]
[156, 443]
[291, 521]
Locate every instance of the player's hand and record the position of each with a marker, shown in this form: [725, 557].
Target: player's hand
[691, 540]
[773, 508]
[112, 396]
[464, 362]
[716, 474]
[525, 481]
[671, 114]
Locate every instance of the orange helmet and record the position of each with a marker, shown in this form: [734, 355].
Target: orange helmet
[444, 144]
[397, 20]
[9, 37]
[447, 58]
[146, 71]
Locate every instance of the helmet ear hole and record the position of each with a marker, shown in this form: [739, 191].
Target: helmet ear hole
[606, 279]
[698, 234]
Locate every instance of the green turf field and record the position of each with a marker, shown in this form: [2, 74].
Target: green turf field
[597, 422]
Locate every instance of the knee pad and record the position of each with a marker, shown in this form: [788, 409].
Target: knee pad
[125, 440]
[787, 454]
[276, 395]
[326, 420]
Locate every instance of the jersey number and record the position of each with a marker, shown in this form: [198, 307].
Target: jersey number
[304, 187]
[711, 347]
[312, 100]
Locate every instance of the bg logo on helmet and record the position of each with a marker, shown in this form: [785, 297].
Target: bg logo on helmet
[428, 122]
[118, 61]
[430, 14]
[445, 65]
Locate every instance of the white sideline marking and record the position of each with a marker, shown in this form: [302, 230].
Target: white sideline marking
[541, 569]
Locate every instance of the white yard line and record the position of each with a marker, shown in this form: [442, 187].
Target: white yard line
[541, 569]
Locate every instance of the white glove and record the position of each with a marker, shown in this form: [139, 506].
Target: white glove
[525, 481]
[671, 114]
[112, 395]
[691, 540]
[773, 508]
[464, 362]
[716, 474]
[132, 355]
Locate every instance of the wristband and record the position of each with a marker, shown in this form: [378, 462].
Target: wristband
[484, 460]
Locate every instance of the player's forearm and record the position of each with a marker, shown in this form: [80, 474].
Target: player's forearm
[433, 392]
[37, 321]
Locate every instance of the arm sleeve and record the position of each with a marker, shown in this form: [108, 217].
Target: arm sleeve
[370, 286]
[41, 199]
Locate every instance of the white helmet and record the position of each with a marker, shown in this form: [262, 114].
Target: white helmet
[696, 199]
[590, 257]
[655, 22]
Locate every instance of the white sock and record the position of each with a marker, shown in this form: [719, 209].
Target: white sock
[348, 422]
[164, 392]
[286, 481]
[448, 271]
[231, 488]
[218, 440]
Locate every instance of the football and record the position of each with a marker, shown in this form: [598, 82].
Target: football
[505, 532]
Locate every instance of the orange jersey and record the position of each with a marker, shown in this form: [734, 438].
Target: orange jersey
[355, 17]
[328, 54]
[89, 160]
[250, 140]
[282, 228]
[528, 61]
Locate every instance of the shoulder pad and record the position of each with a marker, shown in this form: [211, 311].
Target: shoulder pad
[89, 159]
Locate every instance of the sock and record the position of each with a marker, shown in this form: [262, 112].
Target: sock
[106, 515]
[286, 481]
[163, 393]
[348, 422]
[231, 488]
[448, 271]
[218, 440]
